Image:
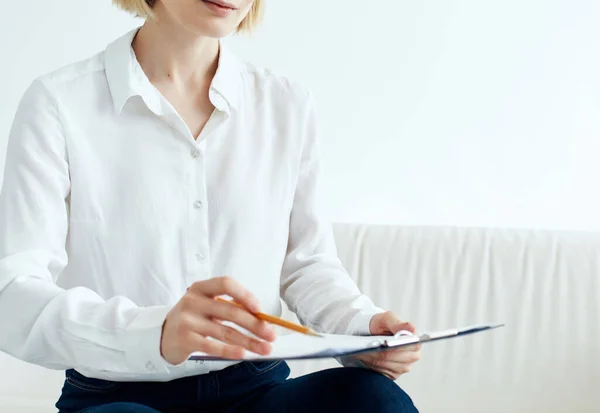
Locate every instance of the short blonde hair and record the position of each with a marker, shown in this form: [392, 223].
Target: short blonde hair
[143, 8]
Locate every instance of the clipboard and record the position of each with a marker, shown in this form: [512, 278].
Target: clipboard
[297, 346]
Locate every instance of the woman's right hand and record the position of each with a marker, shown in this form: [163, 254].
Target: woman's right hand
[198, 316]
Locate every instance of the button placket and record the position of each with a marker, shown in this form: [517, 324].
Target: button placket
[198, 235]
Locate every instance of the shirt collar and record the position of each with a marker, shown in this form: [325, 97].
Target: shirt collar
[227, 80]
[127, 79]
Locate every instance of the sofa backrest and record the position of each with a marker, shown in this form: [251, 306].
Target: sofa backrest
[544, 285]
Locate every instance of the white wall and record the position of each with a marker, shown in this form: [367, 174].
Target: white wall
[462, 112]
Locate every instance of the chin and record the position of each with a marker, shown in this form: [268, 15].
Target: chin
[213, 29]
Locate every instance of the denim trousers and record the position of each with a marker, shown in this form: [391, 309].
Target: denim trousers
[248, 387]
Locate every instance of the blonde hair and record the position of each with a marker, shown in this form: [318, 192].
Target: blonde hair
[143, 8]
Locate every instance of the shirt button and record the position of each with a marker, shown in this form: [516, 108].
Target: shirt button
[194, 153]
[150, 366]
[199, 256]
[198, 204]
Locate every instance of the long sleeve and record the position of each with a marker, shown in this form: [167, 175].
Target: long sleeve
[314, 283]
[42, 323]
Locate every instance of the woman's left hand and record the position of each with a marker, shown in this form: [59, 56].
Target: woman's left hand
[391, 363]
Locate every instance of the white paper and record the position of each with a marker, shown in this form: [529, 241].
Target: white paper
[297, 345]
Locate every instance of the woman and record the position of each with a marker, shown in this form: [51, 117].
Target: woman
[134, 182]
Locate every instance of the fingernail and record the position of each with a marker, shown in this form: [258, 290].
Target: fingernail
[260, 348]
[237, 352]
[268, 329]
[266, 348]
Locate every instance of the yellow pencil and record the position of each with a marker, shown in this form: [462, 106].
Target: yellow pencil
[277, 321]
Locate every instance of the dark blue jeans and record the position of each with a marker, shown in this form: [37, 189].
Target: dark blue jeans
[257, 387]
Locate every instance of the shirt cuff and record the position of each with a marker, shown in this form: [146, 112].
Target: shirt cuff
[359, 325]
[143, 336]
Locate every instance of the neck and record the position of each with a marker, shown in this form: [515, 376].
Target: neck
[167, 52]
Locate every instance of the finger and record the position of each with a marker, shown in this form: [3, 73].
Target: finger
[397, 325]
[395, 368]
[391, 375]
[399, 370]
[413, 348]
[400, 356]
[221, 350]
[227, 286]
[390, 323]
[387, 373]
[389, 364]
[197, 312]
[232, 336]
[197, 342]
[411, 327]
[394, 364]
[391, 370]
[239, 316]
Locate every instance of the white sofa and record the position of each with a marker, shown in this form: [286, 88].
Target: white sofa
[544, 285]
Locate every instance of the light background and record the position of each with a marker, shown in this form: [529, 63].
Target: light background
[439, 112]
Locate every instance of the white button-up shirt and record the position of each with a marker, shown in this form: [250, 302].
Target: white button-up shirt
[110, 209]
